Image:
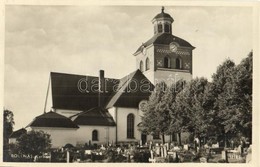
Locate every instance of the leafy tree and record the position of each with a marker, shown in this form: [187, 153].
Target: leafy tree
[8, 124]
[155, 118]
[242, 97]
[235, 106]
[7, 131]
[232, 88]
[221, 84]
[177, 123]
[193, 107]
[202, 108]
[34, 143]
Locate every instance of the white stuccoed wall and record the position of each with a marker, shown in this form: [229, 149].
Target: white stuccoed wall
[121, 121]
[59, 136]
[105, 134]
[63, 136]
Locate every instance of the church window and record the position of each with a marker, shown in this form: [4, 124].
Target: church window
[130, 126]
[147, 62]
[155, 29]
[141, 66]
[166, 28]
[159, 28]
[178, 63]
[95, 135]
[167, 62]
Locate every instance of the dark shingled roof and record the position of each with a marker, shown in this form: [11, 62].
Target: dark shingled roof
[95, 116]
[132, 89]
[163, 15]
[165, 39]
[66, 94]
[52, 119]
[18, 133]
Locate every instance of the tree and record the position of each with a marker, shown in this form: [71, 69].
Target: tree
[235, 106]
[232, 89]
[177, 123]
[8, 124]
[34, 143]
[221, 86]
[7, 131]
[155, 118]
[242, 97]
[192, 107]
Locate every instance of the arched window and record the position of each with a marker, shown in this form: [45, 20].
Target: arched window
[94, 135]
[178, 63]
[159, 28]
[130, 125]
[155, 29]
[166, 28]
[167, 62]
[147, 63]
[141, 66]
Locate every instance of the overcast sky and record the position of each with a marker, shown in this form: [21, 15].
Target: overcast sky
[83, 40]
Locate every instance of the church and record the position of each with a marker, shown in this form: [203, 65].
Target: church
[101, 110]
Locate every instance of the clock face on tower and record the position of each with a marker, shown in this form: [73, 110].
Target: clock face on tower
[173, 47]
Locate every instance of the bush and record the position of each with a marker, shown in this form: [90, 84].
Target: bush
[141, 156]
[111, 155]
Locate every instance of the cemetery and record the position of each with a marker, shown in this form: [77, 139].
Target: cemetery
[147, 153]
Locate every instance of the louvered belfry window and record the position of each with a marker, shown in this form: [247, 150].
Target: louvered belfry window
[160, 28]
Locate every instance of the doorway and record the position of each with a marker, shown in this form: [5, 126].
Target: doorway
[143, 138]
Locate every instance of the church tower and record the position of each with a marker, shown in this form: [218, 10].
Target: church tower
[165, 57]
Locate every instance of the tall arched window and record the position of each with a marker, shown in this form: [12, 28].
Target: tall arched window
[178, 63]
[166, 28]
[130, 125]
[147, 63]
[94, 135]
[167, 62]
[141, 66]
[159, 28]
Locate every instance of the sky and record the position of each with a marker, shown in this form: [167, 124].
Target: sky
[85, 39]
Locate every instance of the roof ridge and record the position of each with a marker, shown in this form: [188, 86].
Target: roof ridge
[128, 77]
[81, 113]
[82, 75]
[148, 41]
[154, 39]
[42, 120]
[97, 113]
[121, 90]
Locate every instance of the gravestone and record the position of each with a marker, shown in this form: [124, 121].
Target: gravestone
[224, 155]
[186, 147]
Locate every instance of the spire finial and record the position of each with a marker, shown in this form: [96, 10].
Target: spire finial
[162, 9]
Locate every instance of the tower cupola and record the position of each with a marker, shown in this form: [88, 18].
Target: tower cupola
[162, 23]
